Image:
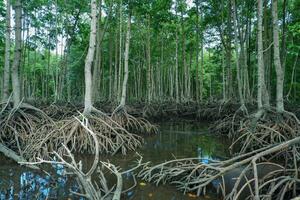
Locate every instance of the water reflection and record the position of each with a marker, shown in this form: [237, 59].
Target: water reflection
[32, 185]
[177, 140]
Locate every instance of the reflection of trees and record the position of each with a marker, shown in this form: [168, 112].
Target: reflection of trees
[35, 186]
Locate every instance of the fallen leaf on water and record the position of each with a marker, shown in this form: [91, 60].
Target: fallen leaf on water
[142, 184]
[192, 195]
[206, 196]
[150, 194]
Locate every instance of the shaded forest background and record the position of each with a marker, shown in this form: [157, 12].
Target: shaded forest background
[180, 51]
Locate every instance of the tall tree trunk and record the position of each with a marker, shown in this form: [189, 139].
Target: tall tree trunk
[176, 69]
[89, 60]
[149, 67]
[7, 54]
[229, 53]
[120, 50]
[17, 55]
[97, 63]
[283, 40]
[110, 66]
[197, 51]
[127, 42]
[238, 73]
[277, 62]
[260, 55]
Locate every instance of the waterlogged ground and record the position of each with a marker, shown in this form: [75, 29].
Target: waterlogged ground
[175, 140]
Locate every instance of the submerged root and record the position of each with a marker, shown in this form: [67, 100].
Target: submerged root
[250, 181]
[131, 123]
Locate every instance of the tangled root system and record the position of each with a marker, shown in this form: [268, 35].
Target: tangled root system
[111, 136]
[18, 125]
[131, 123]
[190, 175]
[264, 128]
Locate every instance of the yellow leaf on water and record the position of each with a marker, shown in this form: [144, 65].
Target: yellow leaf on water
[142, 184]
[207, 197]
[192, 195]
[150, 194]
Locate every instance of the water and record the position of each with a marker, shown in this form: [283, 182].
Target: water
[175, 140]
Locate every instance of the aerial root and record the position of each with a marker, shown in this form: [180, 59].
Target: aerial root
[131, 123]
[61, 112]
[279, 182]
[264, 128]
[111, 136]
[93, 183]
[20, 124]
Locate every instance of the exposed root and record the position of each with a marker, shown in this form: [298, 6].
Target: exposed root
[250, 182]
[93, 184]
[111, 136]
[264, 128]
[19, 125]
[131, 123]
[61, 112]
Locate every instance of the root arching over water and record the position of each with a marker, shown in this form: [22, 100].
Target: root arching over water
[19, 125]
[266, 138]
[93, 183]
[190, 175]
[129, 122]
[111, 136]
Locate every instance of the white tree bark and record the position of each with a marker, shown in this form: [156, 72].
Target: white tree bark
[7, 54]
[17, 55]
[260, 53]
[127, 43]
[88, 105]
[277, 62]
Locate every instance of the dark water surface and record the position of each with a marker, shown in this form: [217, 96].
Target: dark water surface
[175, 140]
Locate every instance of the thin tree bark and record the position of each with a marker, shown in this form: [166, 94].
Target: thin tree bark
[277, 62]
[260, 54]
[17, 55]
[7, 54]
[127, 43]
[89, 60]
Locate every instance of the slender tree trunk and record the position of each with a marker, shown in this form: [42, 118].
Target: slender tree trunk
[149, 67]
[97, 63]
[197, 51]
[277, 62]
[120, 50]
[283, 40]
[17, 55]
[238, 73]
[260, 55]
[110, 66]
[7, 54]
[176, 69]
[116, 68]
[127, 42]
[229, 53]
[89, 60]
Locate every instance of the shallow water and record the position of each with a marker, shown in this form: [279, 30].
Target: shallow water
[175, 140]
